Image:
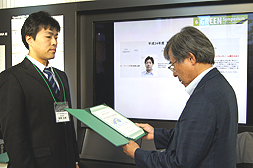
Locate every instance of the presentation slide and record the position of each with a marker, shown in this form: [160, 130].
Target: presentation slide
[161, 95]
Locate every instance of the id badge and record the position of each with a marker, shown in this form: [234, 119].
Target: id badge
[61, 115]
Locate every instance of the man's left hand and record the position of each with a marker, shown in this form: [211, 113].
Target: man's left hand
[130, 148]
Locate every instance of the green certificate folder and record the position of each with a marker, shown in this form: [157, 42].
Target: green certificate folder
[112, 135]
[4, 158]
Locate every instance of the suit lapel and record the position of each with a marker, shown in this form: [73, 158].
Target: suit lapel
[207, 77]
[60, 84]
[31, 70]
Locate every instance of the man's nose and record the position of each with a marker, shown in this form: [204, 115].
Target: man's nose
[54, 41]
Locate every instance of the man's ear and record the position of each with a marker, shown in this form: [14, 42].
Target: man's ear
[191, 58]
[29, 40]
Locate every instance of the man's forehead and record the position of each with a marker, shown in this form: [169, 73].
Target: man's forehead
[49, 31]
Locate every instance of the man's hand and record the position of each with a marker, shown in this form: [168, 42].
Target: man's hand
[149, 129]
[130, 148]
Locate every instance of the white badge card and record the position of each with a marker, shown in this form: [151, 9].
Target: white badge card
[61, 114]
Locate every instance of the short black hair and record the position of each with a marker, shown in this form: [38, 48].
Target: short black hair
[35, 22]
[149, 58]
[192, 40]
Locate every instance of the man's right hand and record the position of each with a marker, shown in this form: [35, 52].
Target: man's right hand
[147, 128]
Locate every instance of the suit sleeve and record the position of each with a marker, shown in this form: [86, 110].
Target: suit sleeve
[162, 137]
[12, 118]
[194, 134]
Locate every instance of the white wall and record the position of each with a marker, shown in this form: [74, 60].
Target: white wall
[23, 3]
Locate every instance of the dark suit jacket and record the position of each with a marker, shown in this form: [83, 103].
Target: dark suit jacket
[32, 137]
[205, 134]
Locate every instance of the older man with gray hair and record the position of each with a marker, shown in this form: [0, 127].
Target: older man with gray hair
[206, 132]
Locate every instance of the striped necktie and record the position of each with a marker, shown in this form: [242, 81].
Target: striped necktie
[52, 81]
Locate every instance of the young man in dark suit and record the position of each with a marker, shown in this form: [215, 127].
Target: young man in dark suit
[37, 132]
[206, 132]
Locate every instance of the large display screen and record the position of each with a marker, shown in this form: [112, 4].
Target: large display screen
[161, 96]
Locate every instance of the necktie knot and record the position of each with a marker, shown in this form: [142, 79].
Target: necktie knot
[48, 71]
[52, 81]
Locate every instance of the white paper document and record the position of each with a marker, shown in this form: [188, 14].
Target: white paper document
[117, 121]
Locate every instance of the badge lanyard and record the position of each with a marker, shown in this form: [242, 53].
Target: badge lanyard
[49, 86]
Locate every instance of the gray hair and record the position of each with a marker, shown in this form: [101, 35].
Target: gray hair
[192, 40]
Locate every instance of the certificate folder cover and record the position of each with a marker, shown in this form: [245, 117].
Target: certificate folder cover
[4, 159]
[85, 116]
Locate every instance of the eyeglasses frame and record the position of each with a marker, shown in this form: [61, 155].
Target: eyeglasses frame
[171, 67]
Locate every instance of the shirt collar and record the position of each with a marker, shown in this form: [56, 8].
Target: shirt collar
[151, 73]
[39, 65]
[190, 88]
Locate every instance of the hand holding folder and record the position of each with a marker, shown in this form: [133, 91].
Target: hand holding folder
[108, 123]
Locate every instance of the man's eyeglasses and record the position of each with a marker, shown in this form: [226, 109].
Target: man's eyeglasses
[171, 67]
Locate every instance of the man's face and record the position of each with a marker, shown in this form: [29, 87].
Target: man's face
[182, 70]
[149, 65]
[44, 46]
